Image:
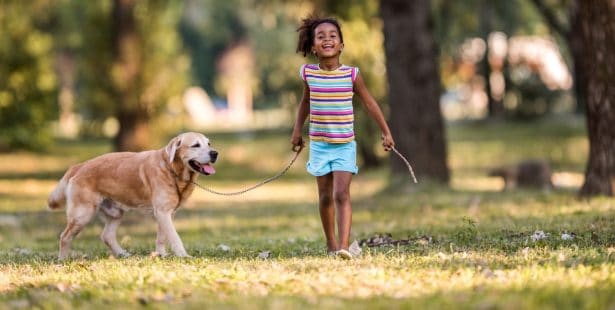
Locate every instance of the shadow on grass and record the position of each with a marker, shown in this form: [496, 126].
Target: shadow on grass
[39, 175]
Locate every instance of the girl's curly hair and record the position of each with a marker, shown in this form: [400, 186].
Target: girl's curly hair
[306, 32]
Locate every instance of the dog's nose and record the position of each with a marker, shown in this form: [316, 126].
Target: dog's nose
[213, 155]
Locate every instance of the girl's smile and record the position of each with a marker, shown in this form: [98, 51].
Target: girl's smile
[327, 41]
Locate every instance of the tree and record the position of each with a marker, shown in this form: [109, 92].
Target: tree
[597, 21]
[127, 54]
[414, 87]
[142, 71]
[28, 85]
[131, 68]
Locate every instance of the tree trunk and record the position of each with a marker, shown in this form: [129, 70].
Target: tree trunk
[597, 21]
[414, 88]
[574, 36]
[132, 116]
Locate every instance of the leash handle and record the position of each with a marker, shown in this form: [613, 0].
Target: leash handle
[298, 148]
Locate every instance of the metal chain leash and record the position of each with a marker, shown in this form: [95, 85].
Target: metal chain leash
[281, 173]
[257, 185]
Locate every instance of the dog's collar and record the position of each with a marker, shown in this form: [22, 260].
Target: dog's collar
[177, 176]
[177, 179]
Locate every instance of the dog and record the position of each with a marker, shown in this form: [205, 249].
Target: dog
[528, 174]
[157, 180]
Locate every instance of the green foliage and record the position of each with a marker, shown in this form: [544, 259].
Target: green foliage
[28, 85]
[458, 20]
[183, 41]
[207, 28]
[164, 67]
[272, 31]
[468, 233]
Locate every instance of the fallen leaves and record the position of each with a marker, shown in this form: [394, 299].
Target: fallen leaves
[387, 239]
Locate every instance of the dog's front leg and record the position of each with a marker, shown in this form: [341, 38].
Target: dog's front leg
[161, 240]
[165, 227]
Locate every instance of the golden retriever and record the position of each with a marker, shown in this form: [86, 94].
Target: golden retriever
[158, 180]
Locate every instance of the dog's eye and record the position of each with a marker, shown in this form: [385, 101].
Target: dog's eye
[196, 145]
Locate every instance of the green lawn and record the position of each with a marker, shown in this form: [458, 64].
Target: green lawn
[470, 245]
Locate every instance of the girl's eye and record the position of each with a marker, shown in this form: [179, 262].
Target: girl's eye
[196, 145]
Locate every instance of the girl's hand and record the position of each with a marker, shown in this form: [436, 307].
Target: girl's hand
[297, 141]
[388, 142]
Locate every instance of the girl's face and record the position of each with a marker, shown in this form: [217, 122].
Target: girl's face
[327, 41]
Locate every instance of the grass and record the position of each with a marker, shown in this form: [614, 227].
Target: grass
[480, 252]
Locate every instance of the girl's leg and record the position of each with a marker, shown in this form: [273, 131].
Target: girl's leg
[327, 211]
[341, 196]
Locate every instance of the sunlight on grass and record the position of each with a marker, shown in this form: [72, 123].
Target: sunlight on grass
[378, 275]
[477, 183]
[305, 191]
[468, 246]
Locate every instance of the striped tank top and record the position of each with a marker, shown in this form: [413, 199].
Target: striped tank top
[331, 113]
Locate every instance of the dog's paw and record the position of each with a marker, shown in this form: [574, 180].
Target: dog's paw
[158, 254]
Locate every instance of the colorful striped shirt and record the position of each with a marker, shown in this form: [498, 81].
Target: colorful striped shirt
[331, 113]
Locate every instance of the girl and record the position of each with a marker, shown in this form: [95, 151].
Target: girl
[328, 89]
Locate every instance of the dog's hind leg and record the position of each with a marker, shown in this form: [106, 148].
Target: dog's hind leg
[79, 212]
[111, 214]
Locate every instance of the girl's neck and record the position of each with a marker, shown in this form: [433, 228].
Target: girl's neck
[329, 64]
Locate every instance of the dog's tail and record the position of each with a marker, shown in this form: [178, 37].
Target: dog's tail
[57, 198]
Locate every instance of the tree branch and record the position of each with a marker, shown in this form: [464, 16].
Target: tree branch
[550, 18]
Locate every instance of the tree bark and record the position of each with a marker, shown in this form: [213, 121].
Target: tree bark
[414, 88]
[574, 37]
[597, 20]
[132, 115]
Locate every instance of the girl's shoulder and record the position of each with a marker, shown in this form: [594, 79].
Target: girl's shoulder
[354, 71]
[310, 66]
[304, 67]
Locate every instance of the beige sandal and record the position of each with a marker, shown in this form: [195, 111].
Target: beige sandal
[344, 254]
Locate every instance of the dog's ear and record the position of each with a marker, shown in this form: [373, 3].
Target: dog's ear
[172, 147]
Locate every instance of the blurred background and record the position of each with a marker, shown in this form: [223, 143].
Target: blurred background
[135, 73]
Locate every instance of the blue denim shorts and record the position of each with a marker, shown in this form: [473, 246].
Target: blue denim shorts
[328, 157]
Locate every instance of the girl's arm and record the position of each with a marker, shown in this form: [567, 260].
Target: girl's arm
[302, 114]
[374, 111]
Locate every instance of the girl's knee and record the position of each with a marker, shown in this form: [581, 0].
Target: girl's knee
[325, 199]
[341, 197]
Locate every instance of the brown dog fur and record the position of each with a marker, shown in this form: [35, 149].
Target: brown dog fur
[158, 180]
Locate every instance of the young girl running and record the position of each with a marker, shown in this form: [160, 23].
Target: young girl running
[328, 89]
